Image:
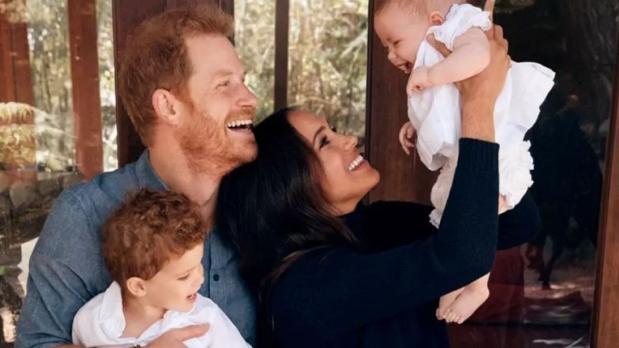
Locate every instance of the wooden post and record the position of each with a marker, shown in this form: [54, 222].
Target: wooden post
[16, 86]
[6, 63]
[606, 315]
[126, 17]
[282, 28]
[85, 80]
[402, 177]
[15, 71]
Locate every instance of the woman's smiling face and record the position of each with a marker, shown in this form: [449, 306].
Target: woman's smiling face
[346, 176]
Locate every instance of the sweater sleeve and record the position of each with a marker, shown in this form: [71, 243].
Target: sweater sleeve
[386, 224]
[341, 289]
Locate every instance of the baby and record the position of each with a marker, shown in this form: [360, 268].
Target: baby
[406, 28]
[152, 247]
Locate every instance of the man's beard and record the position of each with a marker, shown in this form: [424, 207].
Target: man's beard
[207, 147]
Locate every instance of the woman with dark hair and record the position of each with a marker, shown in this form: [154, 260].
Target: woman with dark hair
[331, 273]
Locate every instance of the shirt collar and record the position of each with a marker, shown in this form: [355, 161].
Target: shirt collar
[112, 318]
[146, 175]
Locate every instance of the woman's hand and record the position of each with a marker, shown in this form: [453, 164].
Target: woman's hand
[480, 92]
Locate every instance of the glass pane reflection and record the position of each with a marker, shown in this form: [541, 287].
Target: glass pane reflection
[37, 142]
[542, 293]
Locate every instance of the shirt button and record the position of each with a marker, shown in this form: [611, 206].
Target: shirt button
[216, 277]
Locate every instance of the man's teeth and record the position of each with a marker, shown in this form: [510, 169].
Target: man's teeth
[355, 163]
[240, 124]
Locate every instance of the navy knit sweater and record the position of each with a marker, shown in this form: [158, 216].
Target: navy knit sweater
[386, 294]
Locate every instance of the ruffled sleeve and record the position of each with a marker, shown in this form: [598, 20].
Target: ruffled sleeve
[460, 18]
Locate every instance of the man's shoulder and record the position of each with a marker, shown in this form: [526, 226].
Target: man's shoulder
[108, 186]
[79, 212]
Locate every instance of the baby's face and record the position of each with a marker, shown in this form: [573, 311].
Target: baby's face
[401, 31]
[176, 285]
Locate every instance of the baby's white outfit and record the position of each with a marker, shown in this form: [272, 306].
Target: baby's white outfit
[435, 114]
[101, 322]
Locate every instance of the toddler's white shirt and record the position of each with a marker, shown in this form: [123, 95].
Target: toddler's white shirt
[435, 113]
[101, 322]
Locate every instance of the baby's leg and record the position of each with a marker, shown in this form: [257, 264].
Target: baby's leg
[472, 296]
[445, 302]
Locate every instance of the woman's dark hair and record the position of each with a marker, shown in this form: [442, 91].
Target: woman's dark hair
[272, 209]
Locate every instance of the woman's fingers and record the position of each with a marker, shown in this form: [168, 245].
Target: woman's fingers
[489, 7]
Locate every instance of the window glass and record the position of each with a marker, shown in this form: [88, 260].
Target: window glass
[542, 293]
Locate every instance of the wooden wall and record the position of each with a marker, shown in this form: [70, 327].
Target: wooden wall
[606, 317]
[402, 177]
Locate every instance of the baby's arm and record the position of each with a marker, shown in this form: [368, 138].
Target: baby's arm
[471, 55]
[407, 132]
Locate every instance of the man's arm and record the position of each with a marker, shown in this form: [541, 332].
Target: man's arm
[65, 272]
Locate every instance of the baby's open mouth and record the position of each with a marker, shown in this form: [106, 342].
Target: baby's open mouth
[406, 67]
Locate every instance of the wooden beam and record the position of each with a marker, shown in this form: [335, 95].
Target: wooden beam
[606, 315]
[282, 27]
[402, 177]
[85, 90]
[15, 70]
[24, 92]
[7, 90]
[127, 15]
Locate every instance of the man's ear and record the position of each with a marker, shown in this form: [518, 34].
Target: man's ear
[136, 286]
[436, 18]
[166, 106]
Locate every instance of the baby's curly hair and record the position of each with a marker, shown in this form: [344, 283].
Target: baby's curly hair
[148, 230]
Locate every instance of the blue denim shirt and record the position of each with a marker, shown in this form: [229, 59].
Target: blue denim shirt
[67, 268]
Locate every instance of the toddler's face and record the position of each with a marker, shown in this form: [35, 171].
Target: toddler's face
[176, 285]
[401, 31]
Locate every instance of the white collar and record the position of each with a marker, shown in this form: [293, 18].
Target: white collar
[112, 317]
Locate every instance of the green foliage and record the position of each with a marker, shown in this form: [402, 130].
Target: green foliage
[107, 86]
[14, 10]
[255, 42]
[51, 73]
[48, 38]
[327, 56]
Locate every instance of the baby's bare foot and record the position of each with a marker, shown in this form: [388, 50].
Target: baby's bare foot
[445, 302]
[466, 304]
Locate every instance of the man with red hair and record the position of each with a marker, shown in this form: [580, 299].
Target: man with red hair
[183, 86]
